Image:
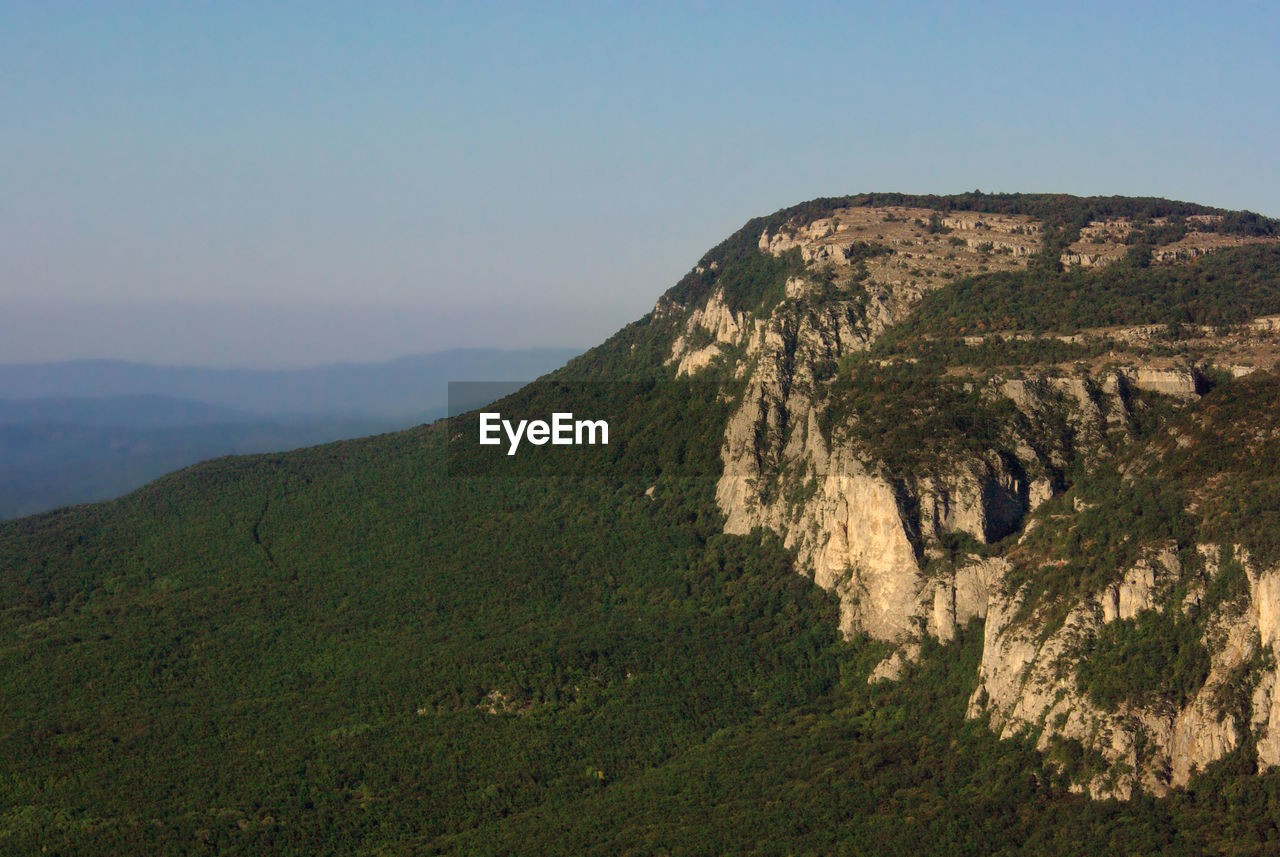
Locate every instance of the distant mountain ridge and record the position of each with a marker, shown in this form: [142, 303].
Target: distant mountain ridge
[409, 385]
[137, 411]
[89, 430]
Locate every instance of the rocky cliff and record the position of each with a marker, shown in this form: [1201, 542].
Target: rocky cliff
[928, 493]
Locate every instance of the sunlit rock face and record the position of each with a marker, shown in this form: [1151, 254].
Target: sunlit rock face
[902, 548]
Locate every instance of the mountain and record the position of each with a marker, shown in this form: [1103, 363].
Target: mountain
[409, 385]
[986, 450]
[136, 411]
[925, 525]
[90, 430]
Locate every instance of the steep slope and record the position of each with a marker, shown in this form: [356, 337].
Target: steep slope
[1142, 627]
[889, 451]
[927, 406]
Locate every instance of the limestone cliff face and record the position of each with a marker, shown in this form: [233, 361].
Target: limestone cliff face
[1266, 698]
[706, 332]
[847, 528]
[891, 542]
[858, 530]
[1105, 242]
[1027, 680]
[868, 534]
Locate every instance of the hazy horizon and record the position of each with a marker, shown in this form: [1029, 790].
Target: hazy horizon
[277, 338]
[248, 185]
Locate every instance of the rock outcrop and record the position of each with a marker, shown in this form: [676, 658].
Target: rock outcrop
[1027, 680]
[902, 548]
[707, 330]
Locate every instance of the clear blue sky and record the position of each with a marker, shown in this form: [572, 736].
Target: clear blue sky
[290, 183]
